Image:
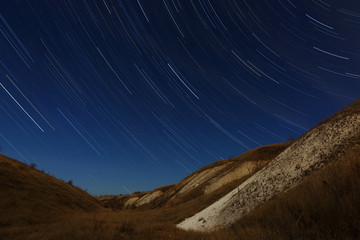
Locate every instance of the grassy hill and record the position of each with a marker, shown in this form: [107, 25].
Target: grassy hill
[29, 196]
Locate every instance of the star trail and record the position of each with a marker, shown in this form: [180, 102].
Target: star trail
[129, 95]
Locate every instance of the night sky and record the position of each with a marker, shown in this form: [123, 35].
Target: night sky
[129, 95]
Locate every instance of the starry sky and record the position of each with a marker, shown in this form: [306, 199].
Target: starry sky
[129, 95]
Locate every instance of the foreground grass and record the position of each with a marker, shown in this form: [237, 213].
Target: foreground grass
[325, 206]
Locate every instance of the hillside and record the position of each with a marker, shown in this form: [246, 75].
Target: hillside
[29, 196]
[318, 147]
[209, 182]
[325, 205]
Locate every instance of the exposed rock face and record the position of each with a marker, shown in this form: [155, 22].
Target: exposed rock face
[212, 180]
[130, 201]
[310, 152]
[147, 198]
[243, 170]
[200, 178]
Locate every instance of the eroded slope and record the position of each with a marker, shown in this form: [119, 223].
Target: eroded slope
[316, 148]
[214, 179]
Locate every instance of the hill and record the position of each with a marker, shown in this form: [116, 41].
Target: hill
[29, 196]
[205, 185]
[318, 147]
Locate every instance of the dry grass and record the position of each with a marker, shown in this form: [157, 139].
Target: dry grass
[29, 196]
[325, 206]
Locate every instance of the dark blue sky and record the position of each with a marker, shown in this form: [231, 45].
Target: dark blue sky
[130, 95]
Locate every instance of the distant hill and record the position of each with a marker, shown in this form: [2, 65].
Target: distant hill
[206, 185]
[29, 196]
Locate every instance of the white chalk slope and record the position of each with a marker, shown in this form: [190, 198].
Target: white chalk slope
[307, 154]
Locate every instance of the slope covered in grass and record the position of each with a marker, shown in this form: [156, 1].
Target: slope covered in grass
[29, 196]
